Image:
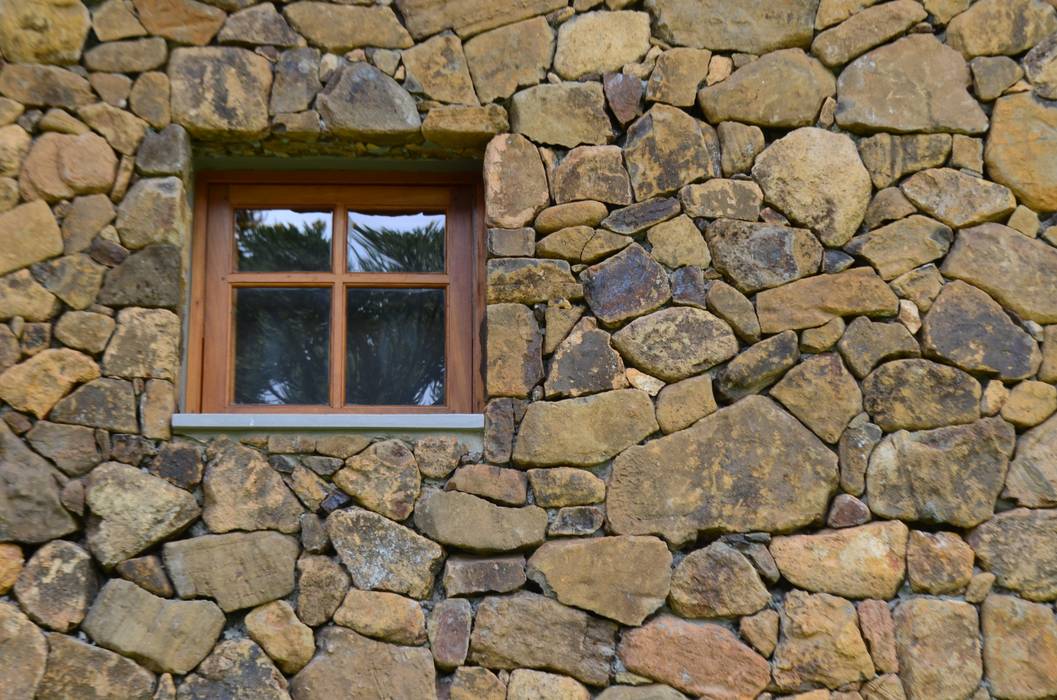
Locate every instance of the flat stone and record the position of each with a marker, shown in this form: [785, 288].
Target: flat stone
[30, 235]
[449, 632]
[25, 653]
[597, 42]
[296, 81]
[220, 91]
[1030, 403]
[149, 99]
[148, 202]
[525, 685]
[938, 563]
[234, 667]
[576, 521]
[504, 486]
[182, 21]
[1032, 479]
[527, 630]
[514, 352]
[948, 475]
[780, 89]
[625, 286]
[758, 366]
[1015, 546]
[382, 555]
[565, 486]
[464, 126]
[640, 216]
[135, 56]
[148, 573]
[76, 669]
[741, 143]
[865, 30]
[678, 243]
[44, 86]
[238, 570]
[123, 130]
[666, 148]
[994, 28]
[321, 587]
[349, 664]
[755, 27]
[913, 84]
[734, 308]
[1020, 646]
[467, 17]
[383, 478]
[506, 58]
[436, 68]
[889, 157]
[903, 245]
[561, 114]
[816, 178]
[515, 182]
[467, 522]
[868, 561]
[957, 199]
[917, 394]
[822, 394]
[50, 33]
[57, 585]
[148, 278]
[1020, 149]
[85, 218]
[242, 492]
[723, 199]
[939, 648]
[511, 242]
[363, 103]
[37, 384]
[584, 363]
[813, 301]
[820, 643]
[624, 96]
[716, 582]
[697, 658]
[474, 575]
[21, 295]
[592, 172]
[676, 343]
[865, 344]
[342, 28]
[385, 616]
[755, 256]
[144, 345]
[163, 635]
[476, 683]
[103, 403]
[677, 75]
[878, 629]
[993, 75]
[1040, 66]
[605, 423]
[621, 578]
[683, 403]
[746, 447]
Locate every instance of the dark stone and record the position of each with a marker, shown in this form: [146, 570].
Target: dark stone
[363, 103]
[576, 521]
[641, 216]
[147, 573]
[465, 575]
[867, 343]
[324, 466]
[758, 256]
[499, 430]
[284, 464]
[107, 252]
[918, 395]
[235, 668]
[130, 449]
[79, 670]
[624, 95]
[149, 278]
[626, 285]
[31, 509]
[585, 363]
[758, 367]
[103, 403]
[180, 464]
[296, 80]
[689, 286]
[836, 261]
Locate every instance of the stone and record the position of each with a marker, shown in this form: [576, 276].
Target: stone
[504, 486]
[865, 344]
[621, 578]
[890, 204]
[592, 172]
[565, 486]
[167, 152]
[667, 149]
[677, 75]
[382, 555]
[321, 587]
[716, 582]
[597, 42]
[504, 59]
[349, 664]
[135, 56]
[386, 616]
[581, 244]
[148, 202]
[467, 522]
[474, 575]
[584, 363]
[878, 629]
[467, 17]
[915, 84]
[525, 685]
[149, 99]
[467, 126]
[160, 634]
[296, 80]
[437, 69]
[697, 658]
[639, 217]
[511, 242]
[40, 176]
[235, 667]
[561, 114]
[76, 669]
[342, 28]
[182, 21]
[476, 683]
[57, 585]
[147, 573]
[362, 103]
[1041, 69]
[903, 245]
[781, 89]
[683, 403]
[576, 521]
[29, 493]
[1014, 546]
[741, 143]
[23, 296]
[383, 478]
[746, 447]
[148, 278]
[624, 286]
[84, 219]
[514, 345]
[145, 344]
[1031, 480]
[756, 256]
[676, 343]
[242, 492]
[624, 96]
[1019, 152]
[586, 213]
[723, 199]
[75, 279]
[30, 235]
[1001, 28]
[1020, 642]
[123, 131]
[103, 403]
[261, 25]
[947, 475]
[37, 384]
[11, 564]
[44, 86]
[238, 570]
[43, 32]
[820, 643]
[865, 30]
[939, 648]
[449, 632]
[515, 182]
[14, 146]
[220, 90]
[868, 561]
[733, 307]
[759, 366]
[531, 631]
[822, 338]
[813, 301]
[25, 653]
[917, 394]
[993, 75]
[938, 563]
[754, 27]
[957, 199]
[822, 394]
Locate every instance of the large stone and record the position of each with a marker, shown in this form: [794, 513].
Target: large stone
[145, 345]
[939, 648]
[811, 302]
[514, 352]
[73, 448]
[57, 585]
[918, 394]
[816, 178]
[622, 578]
[527, 630]
[676, 343]
[638, 217]
[677, 75]
[889, 157]
[948, 475]
[136, 56]
[958, 199]
[504, 59]
[903, 245]
[79, 670]
[755, 256]
[697, 479]
[626, 285]
[43, 32]
[154, 211]
[21, 295]
[104, 403]
[561, 114]
[382, 555]
[820, 643]
[242, 492]
[349, 665]
[913, 84]
[468, 17]
[437, 69]
[698, 658]
[339, 28]
[44, 86]
[467, 522]
[260, 25]
[220, 91]
[1020, 647]
[362, 103]
[383, 478]
[1017, 546]
[822, 394]
[1001, 27]
[865, 30]
[666, 148]
[238, 570]
[148, 278]
[515, 182]
[30, 235]
[592, 172]
[530, 281]
[287, 640]
[598, 42]
[717, 581]
[858, 562]
[30, 507]
[1022, 149]
[23, 653]
[75, 279]
[1032, 478]
[37, 384]
[464, 126]
[123, 130]
[583, 431]
[182, 21]
[753, 26]
[236, 667]
[163, 635]
[584, 363]
[781, 89]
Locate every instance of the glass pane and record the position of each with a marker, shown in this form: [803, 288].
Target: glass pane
[281, 343]
[282, 240]
[395, 350]
[396, 242]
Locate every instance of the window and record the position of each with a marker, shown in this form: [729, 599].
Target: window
[356, 295]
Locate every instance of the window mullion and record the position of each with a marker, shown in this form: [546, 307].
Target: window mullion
[337, 305]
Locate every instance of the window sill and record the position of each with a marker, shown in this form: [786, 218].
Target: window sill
[413, 424]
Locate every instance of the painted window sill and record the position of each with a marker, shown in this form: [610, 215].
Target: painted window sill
[374, 423]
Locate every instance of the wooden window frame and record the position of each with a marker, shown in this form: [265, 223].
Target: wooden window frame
[210, 355]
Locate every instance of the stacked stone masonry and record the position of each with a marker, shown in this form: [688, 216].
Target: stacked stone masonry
[771, 341]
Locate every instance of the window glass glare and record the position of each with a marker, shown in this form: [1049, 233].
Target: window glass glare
[396, 242]
[282, 240]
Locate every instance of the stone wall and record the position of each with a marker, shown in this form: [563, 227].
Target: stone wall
[771, 353]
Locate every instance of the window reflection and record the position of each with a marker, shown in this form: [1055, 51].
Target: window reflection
[396, 242]
[282, 240]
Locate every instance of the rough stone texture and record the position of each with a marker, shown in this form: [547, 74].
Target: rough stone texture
[561, 114]
[811, 302]
[31, 509]
[901, 246]
[593, 173]
[386, 616]
[878, 629]
[514, 351]
[322, 585]
[754, 27]
[957, 199]
[219, 91]
[822, 394]
[820, 643]
[383, 478]
[676, 343]
[757, 256]
[235, 667]
[917, 394]
[57, 585]
[242, 492]
[1020, 148]
[626, 285]
[597, 42]
[437, 69]
[666, 149]
[362, 103]
[888, 157]
[467, 522]
[469, 576]
[938, 563]
[1015, 546]
[993, 28]
[1020, 645]
[515, 181]
[25, 652]
[584, 363]
[717, 581]
[1032, 478]
[866, 29]
[939, 648]
[76, 669]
